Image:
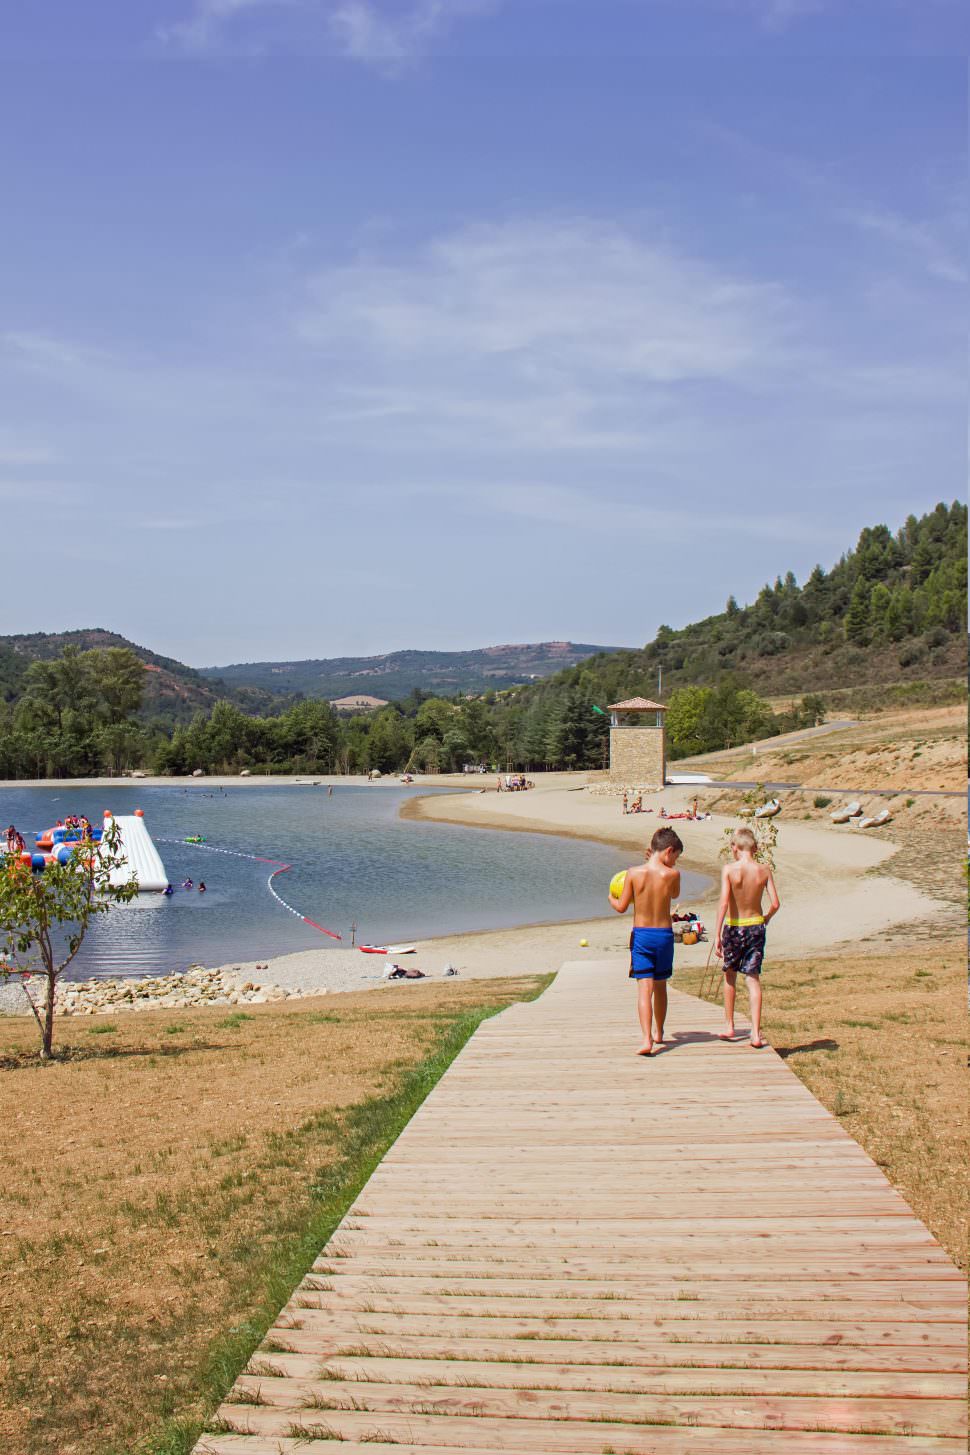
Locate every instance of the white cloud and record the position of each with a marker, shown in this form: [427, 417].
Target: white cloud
[203, 29]
[590, 510]
[370, 33]
[380, 35]
[918, 239]
[545, 299]
[543, 335]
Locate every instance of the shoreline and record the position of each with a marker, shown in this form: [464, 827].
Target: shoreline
[835, 888]
[836, 893]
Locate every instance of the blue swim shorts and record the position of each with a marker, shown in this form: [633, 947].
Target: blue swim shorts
[651, 954]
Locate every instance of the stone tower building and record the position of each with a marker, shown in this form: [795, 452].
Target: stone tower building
[638, 746]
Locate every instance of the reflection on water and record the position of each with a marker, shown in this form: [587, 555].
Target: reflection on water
[353, 859]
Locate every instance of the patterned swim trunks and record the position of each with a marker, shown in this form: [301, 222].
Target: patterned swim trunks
[744, 948]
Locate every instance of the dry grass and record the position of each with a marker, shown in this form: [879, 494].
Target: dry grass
[155, 1183]
[881, 1041]
[924, 748]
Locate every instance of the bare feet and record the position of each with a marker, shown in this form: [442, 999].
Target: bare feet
[646, 1049]
[758, 1045]
[727, 1034]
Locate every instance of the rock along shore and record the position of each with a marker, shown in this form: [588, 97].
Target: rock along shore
[197, 986]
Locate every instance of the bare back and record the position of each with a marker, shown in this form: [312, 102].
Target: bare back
[652, 887]
[746, 883]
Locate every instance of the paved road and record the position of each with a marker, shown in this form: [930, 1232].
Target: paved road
[810, 788]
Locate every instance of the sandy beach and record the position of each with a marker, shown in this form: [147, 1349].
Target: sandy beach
[837, 887]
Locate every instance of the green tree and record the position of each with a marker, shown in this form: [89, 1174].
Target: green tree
[685, 711]
[44, 917]
[857, 617]
[389, 742]
[119, 680]
[880, 600]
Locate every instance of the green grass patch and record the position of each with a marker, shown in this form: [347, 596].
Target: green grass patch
[234, 1021]
[274, 1268]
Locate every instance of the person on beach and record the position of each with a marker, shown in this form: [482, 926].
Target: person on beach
[650, 888]
[741, 923]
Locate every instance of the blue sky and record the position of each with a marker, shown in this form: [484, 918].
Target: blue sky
[331, 328]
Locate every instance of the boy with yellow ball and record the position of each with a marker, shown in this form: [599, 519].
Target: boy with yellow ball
[651, 888]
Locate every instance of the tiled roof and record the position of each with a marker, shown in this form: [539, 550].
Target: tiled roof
[637, 704]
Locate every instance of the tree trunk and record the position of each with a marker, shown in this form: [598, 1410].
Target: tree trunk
[47, 1042]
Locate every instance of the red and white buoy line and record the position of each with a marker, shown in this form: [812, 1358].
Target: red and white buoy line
[281, 868]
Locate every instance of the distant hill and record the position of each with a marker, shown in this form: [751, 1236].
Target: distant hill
[892, 610]
[396, 674]
[173, 692]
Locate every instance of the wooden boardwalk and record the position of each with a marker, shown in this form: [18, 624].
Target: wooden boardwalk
[573, 1250]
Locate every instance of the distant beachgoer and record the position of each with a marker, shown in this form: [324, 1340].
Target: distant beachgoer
[187, 884]
[20, 843]
[650, 888]
[202, 886]
[168, 889]
[11, 839]
[330, 791]
[626, 802]
[637, 805]
[741, 923]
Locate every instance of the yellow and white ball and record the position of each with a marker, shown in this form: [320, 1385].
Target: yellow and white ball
[617, 883]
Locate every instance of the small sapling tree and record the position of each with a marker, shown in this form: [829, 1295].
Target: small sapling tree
[45, 916]
[765, 830]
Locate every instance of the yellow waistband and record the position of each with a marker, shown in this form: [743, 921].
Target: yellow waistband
[740, 924]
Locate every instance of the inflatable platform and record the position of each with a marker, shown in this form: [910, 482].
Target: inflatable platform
[137, 851]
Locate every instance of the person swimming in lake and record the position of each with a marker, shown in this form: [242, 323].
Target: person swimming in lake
[202, 886]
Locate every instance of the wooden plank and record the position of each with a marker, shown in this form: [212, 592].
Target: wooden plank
[565, 1252]
[682, 1331]
[343, 1336]
[307, 1373]
[412, 1434]
[281, 1402]
[540, 1299]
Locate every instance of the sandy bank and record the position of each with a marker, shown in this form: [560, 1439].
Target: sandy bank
[837, 890]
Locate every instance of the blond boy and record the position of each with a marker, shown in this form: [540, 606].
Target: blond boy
[741, 923]
[650, 888]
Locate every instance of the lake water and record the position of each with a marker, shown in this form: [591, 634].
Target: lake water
[353, 858]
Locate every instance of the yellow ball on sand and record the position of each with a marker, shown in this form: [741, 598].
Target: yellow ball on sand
[584, 944]
[617, 883]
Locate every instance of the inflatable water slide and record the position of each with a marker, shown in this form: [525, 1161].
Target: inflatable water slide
[138, 854]
[136, 851]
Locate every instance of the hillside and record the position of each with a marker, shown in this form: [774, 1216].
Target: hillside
[173, 692]
[893, 610]
[395, 675]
